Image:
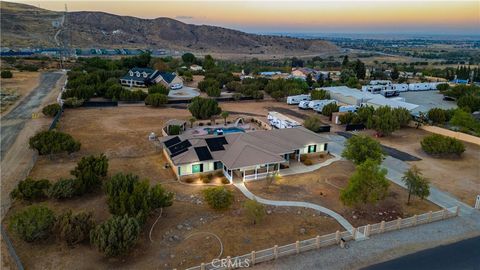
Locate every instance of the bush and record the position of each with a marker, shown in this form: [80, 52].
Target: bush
[443, 86]
[437, 115]
[158, 89]
[63, 189]
[208, 83]
[225, 181]
[126, 195]
[33, 223]
[439, 145]
[303, 158]
[156, 100]
[51, 110]
[206, 178]
[308, 162]
[330, 108]
[128, 95]
[213, 91]
[53, 142]
[174, 130]
[319, 94]
[74, 229]
[116, 236]
[204, 108]
[359, 148]
[189, 180]
[73, 102]
[255, 211]
[90, 171]
[218, 198]
[465, 121]
[6, 74]
[30, 189]
[313, 123]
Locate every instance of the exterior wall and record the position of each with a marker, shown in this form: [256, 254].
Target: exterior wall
[177, 79]
[320, 148]
[186, 169]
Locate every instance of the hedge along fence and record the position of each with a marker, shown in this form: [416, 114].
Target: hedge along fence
[276, 251]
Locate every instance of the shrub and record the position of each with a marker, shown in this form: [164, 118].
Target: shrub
[443, 86]
[204, 108]
[90, 171]
[6, 74]
[218, 198]
[116, 236]
[359, 148]
[189, 180]
[303, 158]
[53, 142]
[126, 195]
[465, 121]
[51, 110]
[206, 178]
[74, 229]
[319, 94]
[73, 102]
[330, 108]
[30, 189]
[255, 211]
[225, 181]
[33, 223]
[213, 91]
[156, 100]
[437, 115]
[174, 130]
[313, 123]
[308, 162]
[440, 145]
[63, 189]
[208, 83]
[158, 89]
[136, 95]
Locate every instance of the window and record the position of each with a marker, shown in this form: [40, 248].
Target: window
[217, 165]
[197, 168]
[179, 170]
[137, 74]
[131, 73]
[312, 148]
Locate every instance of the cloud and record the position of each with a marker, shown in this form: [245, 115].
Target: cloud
[182, 17]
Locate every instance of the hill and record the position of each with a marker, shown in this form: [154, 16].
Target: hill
[24, 25]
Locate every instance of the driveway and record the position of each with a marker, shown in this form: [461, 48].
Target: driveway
[184, 93]
[14, 121]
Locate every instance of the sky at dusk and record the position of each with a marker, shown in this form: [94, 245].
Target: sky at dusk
[422, 17]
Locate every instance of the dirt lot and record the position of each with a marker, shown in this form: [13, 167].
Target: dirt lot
[122, 134]
[323, 187]
[460, 177]
[21, 84]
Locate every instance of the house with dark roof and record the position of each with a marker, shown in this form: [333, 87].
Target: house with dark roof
[303, 72]
[241, 155]
[144, 77]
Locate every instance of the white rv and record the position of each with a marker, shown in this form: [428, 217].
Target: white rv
[319, 107]
[304, 105]
[315, 103]
[279, 121]
[421, 87]
[294, 100]
[401, 87]
[348, 108]
[380, 82]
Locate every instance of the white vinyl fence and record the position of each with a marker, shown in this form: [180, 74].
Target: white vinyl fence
[323, 241]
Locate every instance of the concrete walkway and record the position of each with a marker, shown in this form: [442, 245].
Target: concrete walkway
[299, 167]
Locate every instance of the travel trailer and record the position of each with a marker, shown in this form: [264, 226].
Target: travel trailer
[319, 107]
[280, 121]
[295, 100]
[348, 108]
[304, 105]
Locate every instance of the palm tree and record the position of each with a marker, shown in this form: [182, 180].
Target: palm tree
[192, 121]
[225, 115]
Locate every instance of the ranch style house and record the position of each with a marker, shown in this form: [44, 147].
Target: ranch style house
[143, 77]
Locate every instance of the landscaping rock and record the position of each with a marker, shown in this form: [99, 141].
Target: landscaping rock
[269, 212]
[179, 226]
[354, 217]
[302, 231]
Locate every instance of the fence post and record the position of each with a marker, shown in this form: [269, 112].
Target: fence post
[229, 262]
[317, 241]
[297, 246]
[415, 218]
[457, 210]
[202, 266]
[275, 251]
[337, 237]
[354, 233]
[382, 226]
[429, 216]
[444, 213]
[253, 257]
[367, 230]
[399, 223]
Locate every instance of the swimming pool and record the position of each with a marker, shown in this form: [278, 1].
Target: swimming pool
[225, 130]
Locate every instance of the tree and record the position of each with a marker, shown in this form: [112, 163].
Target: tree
[313, 123]
[403, 116]
[345, 61]
[360, 69]
[33, 223]
[188, 58]
[208, 62]
[465, 121]
[64, 189]
[53, 142]
[255, 211]
[6, 74]
[30, 189]
[192, 121]
[360, 148]
[127, 195]
[158, 89]
[174, 130]
[368, 184]
[73, 102]
[51, 110]
[204, 108]
[440, 145]
[156, 100]
[437, 116]
[90, 172]
[319, 94]
[207, 84]
[74, 229]
[225, 115]
[384, 121]
[443, 87]
[219, 198]
[469, 103]
[213, 91]
[116, 236]
[330, 108]
[417, 185]
[395, 73]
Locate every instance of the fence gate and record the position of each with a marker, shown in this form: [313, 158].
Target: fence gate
[477, 203]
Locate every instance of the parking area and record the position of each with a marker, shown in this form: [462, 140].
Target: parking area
[427, 100]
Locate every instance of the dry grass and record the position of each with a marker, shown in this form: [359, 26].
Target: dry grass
[21, 84]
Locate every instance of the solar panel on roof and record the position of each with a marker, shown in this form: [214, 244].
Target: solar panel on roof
[179, 147]
[179, 152]
[172, 141]
[203, 153]
[216, 144]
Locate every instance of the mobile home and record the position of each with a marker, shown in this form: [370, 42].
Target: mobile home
[295, 100]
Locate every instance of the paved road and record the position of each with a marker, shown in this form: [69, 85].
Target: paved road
[461, 255]
[14, 121]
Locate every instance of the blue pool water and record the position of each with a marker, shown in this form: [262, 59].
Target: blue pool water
[225, 130]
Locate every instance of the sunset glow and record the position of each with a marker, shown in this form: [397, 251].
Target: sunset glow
[435, 17]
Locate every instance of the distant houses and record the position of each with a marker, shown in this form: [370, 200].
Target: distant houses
[143, 77]
[303, 72]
